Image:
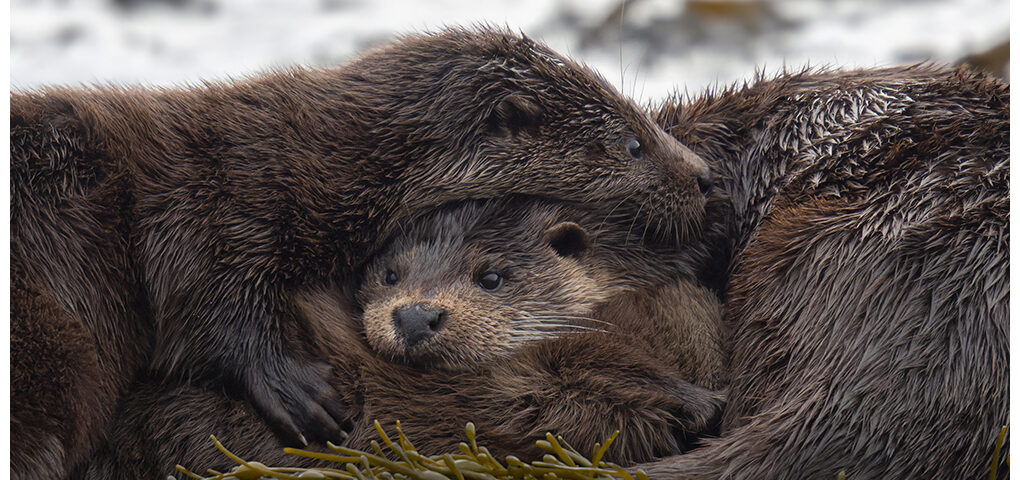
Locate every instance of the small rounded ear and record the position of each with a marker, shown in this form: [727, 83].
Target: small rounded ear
[516, 113]
[568, 239]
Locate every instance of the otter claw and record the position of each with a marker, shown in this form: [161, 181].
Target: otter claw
[299, 404]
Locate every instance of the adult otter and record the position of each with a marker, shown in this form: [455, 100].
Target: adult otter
[870, 258]
[175, 221]
[492, 304]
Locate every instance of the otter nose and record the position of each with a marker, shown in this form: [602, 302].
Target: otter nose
[705, 182]
[694, 164]
[418, 322]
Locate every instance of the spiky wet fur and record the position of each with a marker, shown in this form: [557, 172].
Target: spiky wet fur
[869, 288]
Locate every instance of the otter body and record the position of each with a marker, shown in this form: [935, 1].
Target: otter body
[180, 222]
[869, 288]
[534, 352]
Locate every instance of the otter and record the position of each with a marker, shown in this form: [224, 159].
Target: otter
[176, 221]
[513, 297]
[491, 312]
[474, 283]
[868, 296]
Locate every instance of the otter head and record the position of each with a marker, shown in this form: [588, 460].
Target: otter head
[604, 151]
[471, 283]
[488, 113]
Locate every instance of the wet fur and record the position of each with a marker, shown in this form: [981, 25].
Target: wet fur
[869, 289]
[179, 221]
[634, 376]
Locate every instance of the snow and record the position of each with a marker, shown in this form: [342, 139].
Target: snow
[666, 44]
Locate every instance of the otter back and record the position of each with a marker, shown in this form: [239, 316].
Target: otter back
[869, 296]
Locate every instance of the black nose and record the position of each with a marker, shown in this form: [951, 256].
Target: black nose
[705, 182]
[418, 322]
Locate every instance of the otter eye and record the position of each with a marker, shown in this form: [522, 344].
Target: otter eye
[490, 281]
[390, 278]
[634, 148]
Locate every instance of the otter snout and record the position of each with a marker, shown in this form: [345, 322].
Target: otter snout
[686, 164]
[702, 174]
[418, 323]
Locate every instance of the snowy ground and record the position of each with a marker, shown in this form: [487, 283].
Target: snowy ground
[665, 43]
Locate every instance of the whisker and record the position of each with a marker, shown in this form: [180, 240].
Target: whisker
[643, 232]
[632, 222]
[609, 215]
[541, 328]
[566, 317]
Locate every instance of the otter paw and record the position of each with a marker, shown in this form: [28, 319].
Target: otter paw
[698, 412]
[296, 401]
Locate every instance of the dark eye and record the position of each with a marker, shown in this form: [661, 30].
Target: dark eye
[490, 281]
[390, 278]
[634, 148]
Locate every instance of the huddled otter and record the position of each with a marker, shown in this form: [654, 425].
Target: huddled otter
[869, 289]
[476, 282]
[177, 221]
[515, 295]
[494, 313]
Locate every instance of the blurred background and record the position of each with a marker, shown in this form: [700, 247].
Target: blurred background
[646, 47]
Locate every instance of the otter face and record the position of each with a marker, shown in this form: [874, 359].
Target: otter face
[469, 284]
[627, 166]
[507, 115]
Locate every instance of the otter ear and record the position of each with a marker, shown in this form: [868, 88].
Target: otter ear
[516, 113]
[568, 239]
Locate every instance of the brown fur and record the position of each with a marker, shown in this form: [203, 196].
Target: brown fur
[869, 296]
[50, 343]
[633, 374]
[675, 320]
[178, 221]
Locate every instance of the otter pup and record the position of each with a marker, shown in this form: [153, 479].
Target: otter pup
[493, 312]
[178, 221]
[869, 296]
[511, 295]
[482, 281]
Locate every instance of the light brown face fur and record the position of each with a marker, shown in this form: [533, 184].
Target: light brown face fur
[438, 264]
